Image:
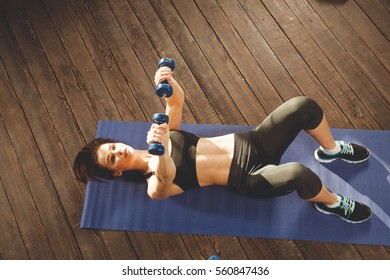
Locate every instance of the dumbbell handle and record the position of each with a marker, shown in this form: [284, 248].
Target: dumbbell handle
[157, 148]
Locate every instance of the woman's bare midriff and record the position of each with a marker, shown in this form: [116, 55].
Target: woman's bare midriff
[213, 160]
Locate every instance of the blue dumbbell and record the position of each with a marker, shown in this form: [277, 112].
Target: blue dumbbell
[156, 148]
[164, 89]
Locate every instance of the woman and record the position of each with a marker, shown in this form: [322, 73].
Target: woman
[245, 162]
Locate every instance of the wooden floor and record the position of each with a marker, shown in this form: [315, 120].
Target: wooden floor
[64, 65]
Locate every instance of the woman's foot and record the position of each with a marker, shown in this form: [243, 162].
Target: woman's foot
[346, 209]
[349, 152]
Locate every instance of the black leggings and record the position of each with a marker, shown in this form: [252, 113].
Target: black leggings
[255, 169]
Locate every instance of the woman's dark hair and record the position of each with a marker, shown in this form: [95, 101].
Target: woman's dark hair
[86, 166]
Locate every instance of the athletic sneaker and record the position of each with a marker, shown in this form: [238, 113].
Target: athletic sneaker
[350, 152]
[348, 210]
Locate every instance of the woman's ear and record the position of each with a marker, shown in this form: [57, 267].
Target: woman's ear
[117, 173]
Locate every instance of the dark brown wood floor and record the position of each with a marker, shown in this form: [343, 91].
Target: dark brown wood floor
[64, 65]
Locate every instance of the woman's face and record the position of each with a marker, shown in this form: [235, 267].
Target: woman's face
[115, 156]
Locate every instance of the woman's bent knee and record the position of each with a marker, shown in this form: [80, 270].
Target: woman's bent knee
[308, 110]
[308, 184]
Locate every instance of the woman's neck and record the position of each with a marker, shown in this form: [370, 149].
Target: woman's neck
[141, 161]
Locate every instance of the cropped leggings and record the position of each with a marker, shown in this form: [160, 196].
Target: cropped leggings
[255, 169]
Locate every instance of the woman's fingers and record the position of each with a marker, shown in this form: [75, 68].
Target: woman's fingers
[158, 133]
[162, 74]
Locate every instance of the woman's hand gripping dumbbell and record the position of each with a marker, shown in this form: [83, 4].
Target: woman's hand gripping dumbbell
[158, 134]
[164, 89]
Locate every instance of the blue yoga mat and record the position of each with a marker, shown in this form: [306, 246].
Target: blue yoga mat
[120, 205]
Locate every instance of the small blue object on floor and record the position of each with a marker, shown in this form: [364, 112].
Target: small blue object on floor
[120, 205]
[214, 258]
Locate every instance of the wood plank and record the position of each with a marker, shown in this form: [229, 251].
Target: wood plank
[159, 246]
[116, 84]
[196, 101]
[386, 4]
[145, 246]
[130, 65]
[256, 248]
[68, 79]
[118, 244]
[285, 249]
[123, 96]
[32, 230]
[340, 251]
[370, 252]
[240, 55]
[287, 50]
[89, 245]
[209, 84]
[48, 141]
[342, 60]
[11, 240]
[199, 246]
[78, 54]
[340, 93]
[221, 62]
[57, 166]
[261, 51]
[313, 250]
[353, 42]
[366, 30]
[228, 247]
[134, 32]
[145, 50]
[42, 189]
[46, 84]
[378, 14]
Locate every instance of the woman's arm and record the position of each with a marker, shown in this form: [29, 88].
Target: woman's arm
[175, 103]
[161, 185]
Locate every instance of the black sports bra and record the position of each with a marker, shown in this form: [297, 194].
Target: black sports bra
[184, 155]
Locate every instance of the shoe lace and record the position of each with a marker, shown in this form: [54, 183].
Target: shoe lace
[346, 148]
[348, 205]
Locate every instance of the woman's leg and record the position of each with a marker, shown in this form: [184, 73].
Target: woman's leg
[324, 196]
[273, 136]
[323, 135]
[331, 150]
[281, 127]
[276, 180]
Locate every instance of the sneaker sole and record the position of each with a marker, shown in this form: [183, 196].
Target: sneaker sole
[344, 219]
[333, 159]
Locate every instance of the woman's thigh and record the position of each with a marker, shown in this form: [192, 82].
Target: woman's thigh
[281, 127]
[276, 180]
